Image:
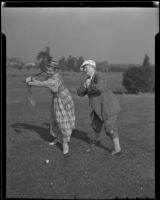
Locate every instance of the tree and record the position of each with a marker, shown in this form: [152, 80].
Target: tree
[70, 63]
[139, 79]
[146, 61]
[79, 63]
[19, 66]
[63, 64]
[44, 55]
[44, 58]
[102, 66]
[75, 62]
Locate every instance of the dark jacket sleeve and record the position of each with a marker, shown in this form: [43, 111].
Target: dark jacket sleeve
[81, 91]
[98, 87]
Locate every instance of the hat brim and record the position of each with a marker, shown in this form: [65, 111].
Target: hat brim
[53, 64]
[54, 61]
[83, 66]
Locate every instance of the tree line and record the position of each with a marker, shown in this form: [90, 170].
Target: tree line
[71, 63]
[140, 79]
[135, 78]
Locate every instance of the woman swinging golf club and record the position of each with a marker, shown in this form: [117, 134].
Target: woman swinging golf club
[62, 108]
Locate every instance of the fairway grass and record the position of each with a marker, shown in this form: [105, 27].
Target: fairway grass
[83, 174]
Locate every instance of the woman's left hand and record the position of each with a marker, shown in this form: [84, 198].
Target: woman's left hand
[28, 79]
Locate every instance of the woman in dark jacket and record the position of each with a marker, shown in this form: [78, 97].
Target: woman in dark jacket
[104, 104]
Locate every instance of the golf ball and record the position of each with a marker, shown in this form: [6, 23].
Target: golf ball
[47, 161]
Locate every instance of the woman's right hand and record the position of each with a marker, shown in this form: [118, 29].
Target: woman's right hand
[33, 79]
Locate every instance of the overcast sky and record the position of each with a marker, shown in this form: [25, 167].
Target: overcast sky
[115, 35]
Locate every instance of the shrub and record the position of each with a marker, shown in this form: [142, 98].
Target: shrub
[139, 79]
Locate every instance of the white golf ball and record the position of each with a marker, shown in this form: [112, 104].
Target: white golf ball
[47, 161]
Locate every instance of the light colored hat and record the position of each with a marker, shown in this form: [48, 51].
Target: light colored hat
[53, 64]
[88, 62]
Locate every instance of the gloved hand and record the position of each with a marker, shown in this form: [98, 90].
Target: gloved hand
[87, 83]
[28, 79]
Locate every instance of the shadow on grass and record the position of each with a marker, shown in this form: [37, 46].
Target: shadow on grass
[79, 134]
[44, 133]
[41, 131]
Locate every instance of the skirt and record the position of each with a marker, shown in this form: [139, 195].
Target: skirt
[63, 113]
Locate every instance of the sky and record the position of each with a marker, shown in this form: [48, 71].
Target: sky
[116, 35]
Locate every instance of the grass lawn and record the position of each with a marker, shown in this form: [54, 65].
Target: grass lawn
[82, 174]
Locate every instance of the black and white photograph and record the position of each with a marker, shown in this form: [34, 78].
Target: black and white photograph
[80, 101]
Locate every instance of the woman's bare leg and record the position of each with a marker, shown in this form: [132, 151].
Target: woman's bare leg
[53, 134]
[51, 131]
[66, 140]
